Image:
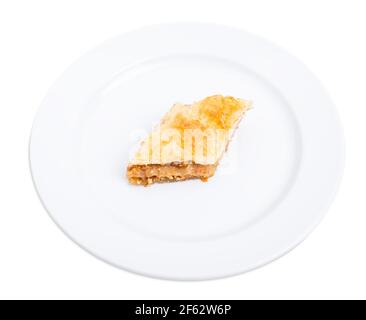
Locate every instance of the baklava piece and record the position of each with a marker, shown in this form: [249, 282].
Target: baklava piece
[189, 141]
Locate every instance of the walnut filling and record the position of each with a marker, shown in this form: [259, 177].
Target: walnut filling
[148, 174]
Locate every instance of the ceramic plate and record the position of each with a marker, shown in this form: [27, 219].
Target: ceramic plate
[272, 188]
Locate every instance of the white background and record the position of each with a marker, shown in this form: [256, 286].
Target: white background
[40, 38]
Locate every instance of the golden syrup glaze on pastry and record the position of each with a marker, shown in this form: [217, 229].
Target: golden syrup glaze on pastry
[197, 133]
[217, 112]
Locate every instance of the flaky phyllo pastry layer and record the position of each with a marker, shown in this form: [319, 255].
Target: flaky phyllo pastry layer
[189, 141]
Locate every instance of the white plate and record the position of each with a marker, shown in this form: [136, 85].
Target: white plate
[272, 188]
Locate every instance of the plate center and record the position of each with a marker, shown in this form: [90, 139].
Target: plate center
[255, 174]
